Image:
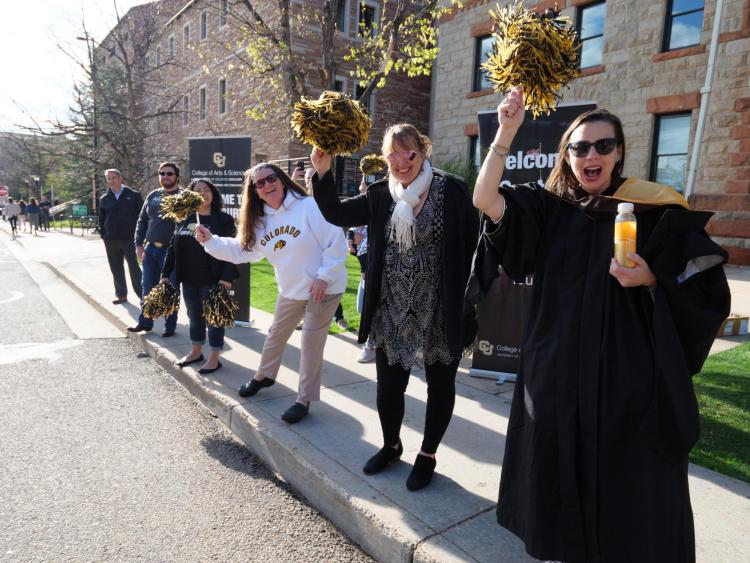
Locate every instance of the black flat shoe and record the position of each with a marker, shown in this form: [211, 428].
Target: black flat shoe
[380, 460]
[167, 333]
[295, 413]
[421, 473]
[138, 328]
[119, 300]
[187, 363]
[205, 371]
[253, 386]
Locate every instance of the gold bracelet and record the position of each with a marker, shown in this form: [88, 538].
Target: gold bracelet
[501, 155]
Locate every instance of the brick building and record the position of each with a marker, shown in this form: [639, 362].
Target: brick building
[194, 90]
[646, 61]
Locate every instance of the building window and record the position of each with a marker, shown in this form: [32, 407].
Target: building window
[146, 63]
[186, 35]
[358, 91]
[158, 57]
[204, 26]
[670, 149]
[591, 33]
[170, 48]
[222, 95]
[476, 153]
[368, 19]
[185, 110]
[223, 11]
[342, 17]
[339, 85]
[482, 52]
[683, 24]
[202, 103]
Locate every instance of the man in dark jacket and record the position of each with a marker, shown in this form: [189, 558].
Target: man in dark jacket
[118, 214]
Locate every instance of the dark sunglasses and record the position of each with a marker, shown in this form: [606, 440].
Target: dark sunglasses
[270, 179]
[163, 173]
[602, 146]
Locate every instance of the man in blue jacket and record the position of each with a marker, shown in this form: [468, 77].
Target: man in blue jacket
[152, 236]
[118, 214]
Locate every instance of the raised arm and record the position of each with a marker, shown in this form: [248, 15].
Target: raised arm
[486, 196]
[352, 212]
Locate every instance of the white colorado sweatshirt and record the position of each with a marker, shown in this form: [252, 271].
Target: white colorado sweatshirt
[298, 242]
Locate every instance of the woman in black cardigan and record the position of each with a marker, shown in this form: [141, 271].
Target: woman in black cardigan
[422, 231]
[198, 272]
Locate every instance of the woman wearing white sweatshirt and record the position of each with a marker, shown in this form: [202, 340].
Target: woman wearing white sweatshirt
[279, 222]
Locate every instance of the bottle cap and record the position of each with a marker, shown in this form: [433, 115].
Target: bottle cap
[625, 207]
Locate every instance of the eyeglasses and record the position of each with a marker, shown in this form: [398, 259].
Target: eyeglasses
[602, 146]
[164, 173]
[403, 155]
[270, 179]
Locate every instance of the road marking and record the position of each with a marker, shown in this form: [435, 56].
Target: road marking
[14, 296]
[50, 351]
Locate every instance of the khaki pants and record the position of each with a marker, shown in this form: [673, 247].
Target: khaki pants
[316, 319]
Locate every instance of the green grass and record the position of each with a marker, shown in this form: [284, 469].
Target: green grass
[263, 291]
[723, 390]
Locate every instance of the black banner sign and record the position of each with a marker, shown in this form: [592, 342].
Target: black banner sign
[223, 160]
[502, 315]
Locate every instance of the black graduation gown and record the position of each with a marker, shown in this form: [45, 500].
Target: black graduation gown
[604, 413]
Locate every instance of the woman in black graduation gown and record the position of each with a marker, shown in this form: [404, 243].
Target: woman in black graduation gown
[199, 272]
[604, 413]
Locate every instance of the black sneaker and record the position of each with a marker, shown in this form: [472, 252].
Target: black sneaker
[421, 473]
[253, 386]
[295, 413]
[138, 328]
[380, 460]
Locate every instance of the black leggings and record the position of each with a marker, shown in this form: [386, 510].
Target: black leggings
[13, 223]
[441, 396]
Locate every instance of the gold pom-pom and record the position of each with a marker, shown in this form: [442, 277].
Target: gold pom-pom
[219, 307]
[333, 123]
[178, 207]
[161, 301]
[372, 164]
[536, 51]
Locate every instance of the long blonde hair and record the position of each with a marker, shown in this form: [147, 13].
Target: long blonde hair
[251, 210]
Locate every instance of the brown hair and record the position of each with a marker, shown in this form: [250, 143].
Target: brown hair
[172, 165]
[407, 136]
[251, 209]
[561, 180]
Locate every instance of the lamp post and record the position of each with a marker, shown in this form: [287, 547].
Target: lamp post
[36, 181]
[95, 137]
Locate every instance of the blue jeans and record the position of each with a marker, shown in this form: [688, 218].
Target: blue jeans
[194, 296]
[153, 260]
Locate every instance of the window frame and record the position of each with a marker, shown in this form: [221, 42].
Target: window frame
[202, 103]
[653, 168]
[579, 25]
[186, 110]
[669, 20]
[203, 26]
[223, 13]
[375, 18]
[370, 101]
[158, 57]
[476, 85]
[344, 30]
[170, 48]
[186, 35]
[222, 101]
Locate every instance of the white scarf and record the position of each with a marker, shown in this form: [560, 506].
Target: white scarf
[402, 220]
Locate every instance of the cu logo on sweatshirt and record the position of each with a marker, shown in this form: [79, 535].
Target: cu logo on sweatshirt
[279, 245]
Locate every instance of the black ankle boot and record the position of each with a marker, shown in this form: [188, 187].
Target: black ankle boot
[421, 473]
[380, 460]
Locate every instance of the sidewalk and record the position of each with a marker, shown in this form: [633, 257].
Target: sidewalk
[322, 456]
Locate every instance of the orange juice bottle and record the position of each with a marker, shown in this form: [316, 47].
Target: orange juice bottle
[625, 229]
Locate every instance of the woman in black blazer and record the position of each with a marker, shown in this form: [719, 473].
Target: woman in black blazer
[198, 272]
[422, 231]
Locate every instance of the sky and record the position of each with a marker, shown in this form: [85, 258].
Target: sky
[36, 78]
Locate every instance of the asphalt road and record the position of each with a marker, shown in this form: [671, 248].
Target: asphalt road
[104, 457]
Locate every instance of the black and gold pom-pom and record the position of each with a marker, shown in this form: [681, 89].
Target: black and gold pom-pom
[537, 51]
[161, 301]
[372, 164]
[333, 123]
[219, 307]
[178, 207]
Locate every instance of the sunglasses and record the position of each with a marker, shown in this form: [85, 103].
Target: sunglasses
[602, 146]
[403, 155]
[270, 179]
[163, 173]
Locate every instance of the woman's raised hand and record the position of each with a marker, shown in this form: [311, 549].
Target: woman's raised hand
[321, 161]
[511, 111]
[202, 234]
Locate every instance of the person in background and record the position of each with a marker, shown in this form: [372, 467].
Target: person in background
[10, 212]
[422, 232]
[32, 216]
[44, 218]
[279, 222]
[152, 235]
[118, 214]
[359, 244]
[604, 414]
[198, 273]
[22, 216]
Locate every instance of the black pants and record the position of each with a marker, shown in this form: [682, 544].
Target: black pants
[44, 221]
[13, 223]
[441, 396]
[117, 251]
